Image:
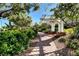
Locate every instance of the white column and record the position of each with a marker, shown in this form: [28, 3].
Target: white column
[59, 27]
[52, 27]
[62, 26]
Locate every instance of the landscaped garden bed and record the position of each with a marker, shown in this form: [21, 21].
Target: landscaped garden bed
[70, 41]
[50, 32]
[57, 33]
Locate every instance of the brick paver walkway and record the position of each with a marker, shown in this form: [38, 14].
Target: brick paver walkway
[43, 45]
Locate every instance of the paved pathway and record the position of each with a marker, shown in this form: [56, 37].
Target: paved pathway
[42, 46]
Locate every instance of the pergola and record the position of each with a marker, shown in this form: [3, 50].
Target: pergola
[53, 23]
[57, 22]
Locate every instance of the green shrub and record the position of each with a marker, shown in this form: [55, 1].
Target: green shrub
[44, 27]
[73, 44]
[76, 52]
[13, 42]
[36, 27]
[76, 33]
[31, 33]
[69, 30]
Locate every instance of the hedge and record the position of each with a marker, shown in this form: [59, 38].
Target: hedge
[13, 42]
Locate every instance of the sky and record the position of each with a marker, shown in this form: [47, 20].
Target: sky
[35, 15]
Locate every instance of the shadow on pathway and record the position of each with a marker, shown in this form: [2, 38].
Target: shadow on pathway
[43, 45]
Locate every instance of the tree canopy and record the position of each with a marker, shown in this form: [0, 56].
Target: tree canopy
[18, 13]
[66, 11]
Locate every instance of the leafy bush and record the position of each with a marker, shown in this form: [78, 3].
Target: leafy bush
[35, 28]
[69, 30]
[73, 44]
[31, 33]
[76, 52]
[76, 33]
[44, 27]
[13, 42]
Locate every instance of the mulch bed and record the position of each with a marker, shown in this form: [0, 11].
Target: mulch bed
[57, 33]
